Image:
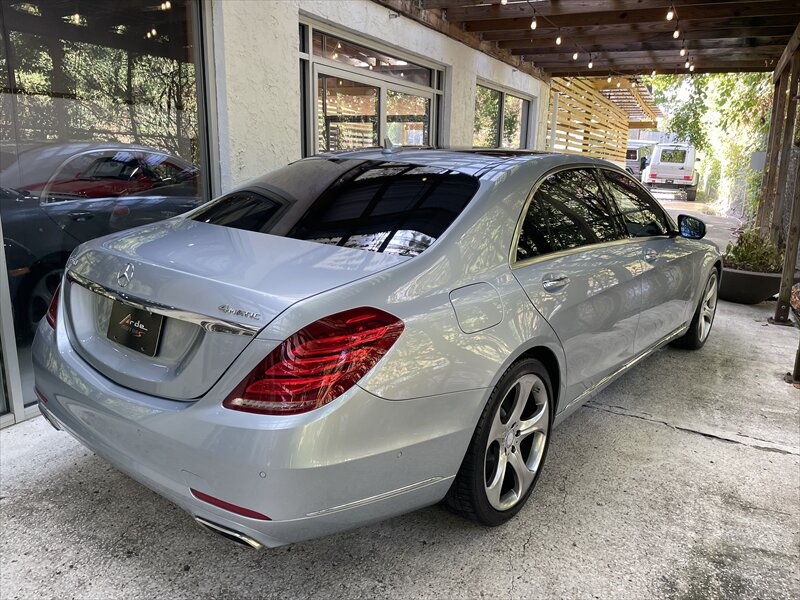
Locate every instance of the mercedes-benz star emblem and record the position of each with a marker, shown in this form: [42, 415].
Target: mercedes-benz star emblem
[125, 276]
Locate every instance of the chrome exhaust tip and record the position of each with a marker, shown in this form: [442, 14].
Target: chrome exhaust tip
[230, 534]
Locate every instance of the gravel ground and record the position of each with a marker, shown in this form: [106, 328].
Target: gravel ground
[681, 480]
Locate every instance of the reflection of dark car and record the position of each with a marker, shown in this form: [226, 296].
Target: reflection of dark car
[43, 221]
[92, 170]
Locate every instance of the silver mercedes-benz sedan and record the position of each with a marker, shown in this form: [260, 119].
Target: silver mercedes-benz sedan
[358, 335]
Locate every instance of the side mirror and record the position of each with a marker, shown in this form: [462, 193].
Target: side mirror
[691, 227]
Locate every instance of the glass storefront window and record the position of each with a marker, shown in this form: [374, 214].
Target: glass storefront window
[100, 130]
[487, 117]
[347, 113]
[500, 119]
[515, 114]
[364, 96]
[365, 59]
[408, 118]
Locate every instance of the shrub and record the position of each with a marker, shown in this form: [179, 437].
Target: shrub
[754, 252]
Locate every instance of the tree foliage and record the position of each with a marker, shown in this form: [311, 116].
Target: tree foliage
[726, 117]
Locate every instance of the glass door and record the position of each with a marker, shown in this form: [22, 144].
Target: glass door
[347, 114]
[408, 118]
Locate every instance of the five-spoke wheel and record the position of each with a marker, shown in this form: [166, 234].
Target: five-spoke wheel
[508, 447]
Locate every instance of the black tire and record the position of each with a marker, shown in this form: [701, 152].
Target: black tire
[696, 337]
[35, 298]
[468, 495]
[691, 194]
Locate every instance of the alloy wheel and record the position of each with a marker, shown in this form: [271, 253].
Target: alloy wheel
[516, 444]
[708, 308]
[41, 296]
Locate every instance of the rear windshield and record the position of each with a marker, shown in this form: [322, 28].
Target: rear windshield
[673, 155]
[630, 154]
[378, 206]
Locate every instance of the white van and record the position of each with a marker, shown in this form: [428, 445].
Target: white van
[672, 167]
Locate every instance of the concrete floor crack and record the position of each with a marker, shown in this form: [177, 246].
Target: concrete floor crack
[722, 437]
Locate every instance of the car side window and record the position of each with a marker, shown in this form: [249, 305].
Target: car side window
[640, 213]
[567, 211]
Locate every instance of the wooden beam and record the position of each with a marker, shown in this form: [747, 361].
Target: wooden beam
[776, 45]
[676, 65]
[714, 13]
[434, 20]
[635, 33]
[790, 259]
[642, 125]
[684, 9]
[776, 227]
[655, 57]
[604, 71]
[773, 148]
[790, 49]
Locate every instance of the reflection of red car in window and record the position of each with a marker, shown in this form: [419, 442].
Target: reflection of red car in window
[95, 171]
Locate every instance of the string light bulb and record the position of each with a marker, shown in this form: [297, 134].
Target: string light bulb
[575, 56]
[677, 33]
[670, 13]
[503, 2]
[618, 84]
[653, 73]
[533, 22]
[683, 50]
[687, 63]
[558, 41]
[609, 79]
[591, 64]
[691, 67]
[153, 32]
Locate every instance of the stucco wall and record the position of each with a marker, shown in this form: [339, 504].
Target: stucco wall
[255, 50]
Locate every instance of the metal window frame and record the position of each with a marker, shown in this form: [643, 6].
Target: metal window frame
[528, 129]
[318, 65]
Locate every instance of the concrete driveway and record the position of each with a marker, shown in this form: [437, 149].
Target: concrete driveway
[680, 481]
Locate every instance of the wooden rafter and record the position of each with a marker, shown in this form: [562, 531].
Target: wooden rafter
[632, 36]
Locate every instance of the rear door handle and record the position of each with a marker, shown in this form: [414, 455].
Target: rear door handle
[554, 283]
[80, 216]
[650, 255]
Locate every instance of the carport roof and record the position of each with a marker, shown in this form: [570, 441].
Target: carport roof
[630, 37]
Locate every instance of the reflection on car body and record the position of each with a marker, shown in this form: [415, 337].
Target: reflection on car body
[425, 318]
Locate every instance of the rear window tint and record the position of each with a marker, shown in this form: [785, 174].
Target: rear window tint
[378, 206]
[673, 155]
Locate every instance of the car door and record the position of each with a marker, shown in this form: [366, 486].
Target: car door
[668, 277]
[575, 262]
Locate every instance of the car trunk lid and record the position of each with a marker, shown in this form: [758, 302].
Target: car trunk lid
[213, 287]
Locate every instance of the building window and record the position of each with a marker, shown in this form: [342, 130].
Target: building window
[501, 119]
[102, 126]
[364, 95]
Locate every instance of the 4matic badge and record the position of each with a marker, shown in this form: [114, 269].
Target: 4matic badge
[230, 310]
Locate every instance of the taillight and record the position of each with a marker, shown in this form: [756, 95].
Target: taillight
[52, 311]
[687, 177]
[652, 175]
[317, 364]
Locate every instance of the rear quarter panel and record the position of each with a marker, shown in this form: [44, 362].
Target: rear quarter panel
[434, 355]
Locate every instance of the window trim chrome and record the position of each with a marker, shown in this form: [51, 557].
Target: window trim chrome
[208, 323]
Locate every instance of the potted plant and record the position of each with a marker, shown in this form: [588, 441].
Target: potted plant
[752, 270]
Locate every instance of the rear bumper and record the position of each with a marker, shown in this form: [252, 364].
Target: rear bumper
[357, 460]
[676, 183]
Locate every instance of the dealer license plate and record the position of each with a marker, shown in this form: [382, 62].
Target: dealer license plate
[135, 328]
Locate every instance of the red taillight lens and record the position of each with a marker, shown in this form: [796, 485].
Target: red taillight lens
[652, 175]
[687, 177]
[52, 311]
[239, 510]
[317, 364]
